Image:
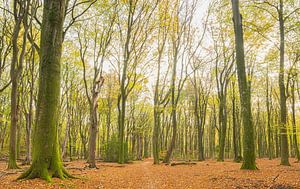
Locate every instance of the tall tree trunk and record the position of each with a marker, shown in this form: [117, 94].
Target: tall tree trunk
[155, 139]
[20, 15]
[108, 121]
[174, 111]
[223, 126]
[234, 125]
[146, 146]
[294, 130]
[284, 150]
[156, 113]
[46, 158]
[29, 115]
[93, 135]
[245, 94]
[270, 147]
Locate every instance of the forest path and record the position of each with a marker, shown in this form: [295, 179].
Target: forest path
[148, 174]
[208, 174]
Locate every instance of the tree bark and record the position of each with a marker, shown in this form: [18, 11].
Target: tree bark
[20, 15]
[245, 95]
[270, 147]
[234, 125]
[284, 150]
[46, 158]
[294, 130]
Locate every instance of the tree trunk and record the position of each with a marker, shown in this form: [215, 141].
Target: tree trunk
[270, 147]
[174, 111]
[15, 72]
[245, 95]
[146, 147]
[234, 126]
[93, 136]
[46, 158]
[294, 130]
[155, 139]
[223, 126]
[284, 150]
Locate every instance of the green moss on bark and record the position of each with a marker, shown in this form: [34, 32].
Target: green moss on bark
[46, 158]
[245, 93]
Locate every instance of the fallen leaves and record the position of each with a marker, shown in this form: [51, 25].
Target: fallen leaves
[143, 174]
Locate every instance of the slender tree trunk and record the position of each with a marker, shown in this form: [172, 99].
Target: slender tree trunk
[270, 147]
[294, 130]
[66, 138]
[155, 139]
[15, 72]
[277, 139]
[29, 115]
[27, 139]
[223, 126]
[156, 113]
[234, 125]
[174, 111]
[245, 94]
[284, 150]
[108, 122]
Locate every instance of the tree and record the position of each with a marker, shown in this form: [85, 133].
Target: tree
[245, 96]
[160, 99]
[183, 50]
[223, 74]
[134, 34]
[46, 159]
[283, 112]
[100, 40]
[20, 12]
[282, 17]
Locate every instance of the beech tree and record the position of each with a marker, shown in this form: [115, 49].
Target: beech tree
[119, 81]
[46, 159]
[249, 147]
[100, 39]
[133, 42]
[20, 11]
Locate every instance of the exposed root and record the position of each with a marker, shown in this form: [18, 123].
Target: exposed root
[5, 173]
[45, 174]
[249, 166]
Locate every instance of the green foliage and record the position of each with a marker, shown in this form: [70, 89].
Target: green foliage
[111, 150]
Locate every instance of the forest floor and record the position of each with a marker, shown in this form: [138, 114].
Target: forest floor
[143, 174]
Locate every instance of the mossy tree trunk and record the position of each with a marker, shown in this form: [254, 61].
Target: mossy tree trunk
[46, 159]
[248, 144]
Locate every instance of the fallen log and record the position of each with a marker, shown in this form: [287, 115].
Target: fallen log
[183, 163]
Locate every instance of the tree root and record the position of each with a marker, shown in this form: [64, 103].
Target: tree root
[45, 174]
[5, 173]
